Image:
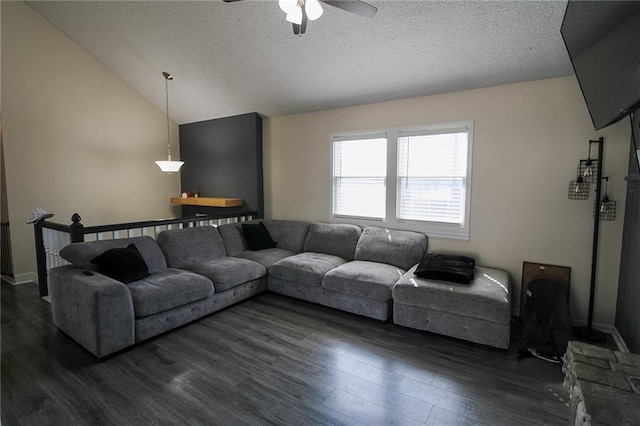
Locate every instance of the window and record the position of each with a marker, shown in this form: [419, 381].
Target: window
[431, 177]
[412, 178]
[359, 177]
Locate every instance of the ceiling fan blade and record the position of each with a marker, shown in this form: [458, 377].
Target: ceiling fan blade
[230, 1]
[354, 6]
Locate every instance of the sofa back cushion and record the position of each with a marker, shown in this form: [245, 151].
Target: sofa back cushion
[335, 239]
[233, 237]
[288, 234]
[398, 248]
[188, 246]
[81, 254]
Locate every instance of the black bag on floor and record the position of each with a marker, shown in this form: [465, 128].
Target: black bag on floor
[546, 322]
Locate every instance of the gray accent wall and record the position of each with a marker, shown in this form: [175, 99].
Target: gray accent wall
[223, 158]
[628, 305]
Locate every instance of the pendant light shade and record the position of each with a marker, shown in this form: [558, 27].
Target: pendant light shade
[607, 208]
[578, 189]
[588, 169]
[168, 165]
[606, 205]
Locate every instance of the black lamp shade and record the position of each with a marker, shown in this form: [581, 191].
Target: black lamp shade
[607, 208]
[578, 189]
[588, 170]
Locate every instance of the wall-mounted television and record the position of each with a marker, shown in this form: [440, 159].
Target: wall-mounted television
[603, 42]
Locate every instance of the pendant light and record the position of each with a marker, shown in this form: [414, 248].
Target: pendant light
[606, 205]
[168, 165]
[578, 189]
[588, 168]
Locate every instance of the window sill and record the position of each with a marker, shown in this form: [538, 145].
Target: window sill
[430, 229]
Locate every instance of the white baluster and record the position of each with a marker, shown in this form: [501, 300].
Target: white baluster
[46, 239]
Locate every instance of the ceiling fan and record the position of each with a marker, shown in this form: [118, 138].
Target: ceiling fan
[299, 12]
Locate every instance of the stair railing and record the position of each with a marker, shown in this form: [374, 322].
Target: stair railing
[51, 237]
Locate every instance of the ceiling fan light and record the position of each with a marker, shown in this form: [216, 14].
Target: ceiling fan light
[295, 16]
[287, 6]
[313, 9]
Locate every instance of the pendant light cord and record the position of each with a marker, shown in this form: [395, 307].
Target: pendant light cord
[167, 77]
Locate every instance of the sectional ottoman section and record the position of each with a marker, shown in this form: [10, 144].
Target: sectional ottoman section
[197, 271]
[479, 312]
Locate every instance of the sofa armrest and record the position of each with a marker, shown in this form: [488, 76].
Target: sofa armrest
[95, 310]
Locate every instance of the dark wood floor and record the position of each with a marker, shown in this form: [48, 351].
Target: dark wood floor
[268, 360]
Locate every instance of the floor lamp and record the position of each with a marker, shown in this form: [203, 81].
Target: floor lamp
[590, 171]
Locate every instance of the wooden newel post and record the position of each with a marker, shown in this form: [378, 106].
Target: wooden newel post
[41, 260]
[77, 229]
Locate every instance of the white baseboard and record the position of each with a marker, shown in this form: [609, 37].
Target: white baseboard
[27, 277]
[9, 280]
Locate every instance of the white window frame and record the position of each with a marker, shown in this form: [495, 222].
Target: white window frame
[353, 137]
[432, 229]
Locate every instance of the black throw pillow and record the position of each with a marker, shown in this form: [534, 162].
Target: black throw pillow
[257, 236]
[444, 267]
[123, 264]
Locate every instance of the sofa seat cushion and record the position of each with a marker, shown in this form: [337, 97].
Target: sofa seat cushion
[168, 289]
[305, 268]
[366, 279]
[228, 272]
[487, 297]
[266, 257]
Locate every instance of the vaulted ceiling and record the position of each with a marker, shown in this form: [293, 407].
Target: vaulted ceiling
[233, 58]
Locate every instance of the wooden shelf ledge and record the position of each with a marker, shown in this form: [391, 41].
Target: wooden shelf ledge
[208, 201]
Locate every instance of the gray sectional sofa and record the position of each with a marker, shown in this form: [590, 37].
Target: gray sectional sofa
[194, 272]
[340, 266]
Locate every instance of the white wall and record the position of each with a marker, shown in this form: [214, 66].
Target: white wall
[76, 137]
[528, 139]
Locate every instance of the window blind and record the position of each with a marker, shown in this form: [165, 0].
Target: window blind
[359, 177]
[431, 177]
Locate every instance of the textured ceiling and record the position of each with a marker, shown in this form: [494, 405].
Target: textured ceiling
[233, 58]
